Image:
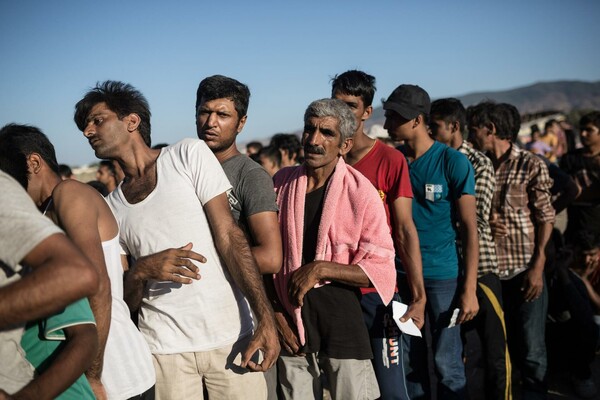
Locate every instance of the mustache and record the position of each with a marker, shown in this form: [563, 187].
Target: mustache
[308, 148]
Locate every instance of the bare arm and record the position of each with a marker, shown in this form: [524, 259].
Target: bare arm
[61, 275]
[305, 278]
[467, 211]
[67, 366]
[533, 283]
[267, 248]
[406, 240]
[233, 248]
[78, 212]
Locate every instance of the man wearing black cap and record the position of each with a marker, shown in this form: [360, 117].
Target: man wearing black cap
[444, 193]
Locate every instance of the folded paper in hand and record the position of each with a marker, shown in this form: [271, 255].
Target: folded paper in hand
[407, 327]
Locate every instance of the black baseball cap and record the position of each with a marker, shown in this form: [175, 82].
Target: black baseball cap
[409, 101]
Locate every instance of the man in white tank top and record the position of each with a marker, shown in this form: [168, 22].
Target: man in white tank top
[88, 221]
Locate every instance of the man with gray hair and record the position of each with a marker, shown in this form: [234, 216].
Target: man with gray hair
[335, 241]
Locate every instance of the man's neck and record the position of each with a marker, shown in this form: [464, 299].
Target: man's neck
[362, 144]
[419, 144]
[226, 154]
[500, 151]
[593, 150]
[47, 184]
[456, 141]
[317, 177]
[137, 162]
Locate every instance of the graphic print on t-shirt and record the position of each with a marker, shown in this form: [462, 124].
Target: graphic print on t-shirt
[433, 192]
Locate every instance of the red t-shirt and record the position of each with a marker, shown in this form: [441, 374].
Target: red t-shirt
[387, 170]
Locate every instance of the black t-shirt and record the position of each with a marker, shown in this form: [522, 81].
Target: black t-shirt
[331, 314]
[583, 215]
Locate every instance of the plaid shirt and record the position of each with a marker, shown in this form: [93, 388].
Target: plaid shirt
[521, 200]
[485, 184]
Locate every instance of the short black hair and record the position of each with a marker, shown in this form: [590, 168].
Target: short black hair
[122, 99]
[514, 121]
[591, 118]
[288, 142]
[64, 171]
[25, 140]
[487, 113]
[449, 110]
[108, 164]
[222, 87]
[14, 163]
[272, 153]
[549, 123]
[355, 83]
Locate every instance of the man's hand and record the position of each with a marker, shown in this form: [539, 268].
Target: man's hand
[170, 265]
[98, 389]
[469, 306]
[416, 311]
[302, 280]
[533, 283]
[265, 339]
[287, 333]
[498, 229]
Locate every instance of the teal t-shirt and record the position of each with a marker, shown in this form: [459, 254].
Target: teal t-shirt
[439, 177]
[42, 339]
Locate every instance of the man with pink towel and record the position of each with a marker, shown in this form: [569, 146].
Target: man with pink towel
[335, 240]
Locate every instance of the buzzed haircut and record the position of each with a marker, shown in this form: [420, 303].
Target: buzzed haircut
[355, 83]
[122, 99]
[26, 139]
[64, 171]
[488, 114]
[222, 87]
[449, 110]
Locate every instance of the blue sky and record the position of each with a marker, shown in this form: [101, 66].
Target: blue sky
[52, 52]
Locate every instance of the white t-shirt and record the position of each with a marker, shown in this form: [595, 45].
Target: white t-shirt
[128, 368]
[22, 228]
[209, 313]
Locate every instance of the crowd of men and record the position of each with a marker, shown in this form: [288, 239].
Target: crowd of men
[195, 271]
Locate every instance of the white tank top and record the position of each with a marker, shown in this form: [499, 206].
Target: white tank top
[128, 368]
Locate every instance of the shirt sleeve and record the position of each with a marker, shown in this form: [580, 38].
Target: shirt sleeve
[401, 186]
[485, 185]
[460, 174]
[257, 192]
[77, 313]
[22, 226]
[204, 169]
[538, 192]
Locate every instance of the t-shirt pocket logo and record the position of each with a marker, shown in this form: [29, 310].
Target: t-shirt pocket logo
[433, 192]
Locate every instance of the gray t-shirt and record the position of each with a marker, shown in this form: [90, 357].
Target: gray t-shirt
[22, 227]
[252, 191]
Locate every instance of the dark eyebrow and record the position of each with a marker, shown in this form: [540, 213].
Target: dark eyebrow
[329, 132]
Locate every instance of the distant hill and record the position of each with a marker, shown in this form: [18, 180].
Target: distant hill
[559, 96]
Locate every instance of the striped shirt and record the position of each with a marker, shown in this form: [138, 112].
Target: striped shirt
[522, 201]
[485, 184]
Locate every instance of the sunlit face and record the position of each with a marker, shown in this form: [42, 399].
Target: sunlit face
[441, 130]
[322, 142]
[480, 136]
[218, 123]
[356, 104]
[105, 131]
[398, 127]
[590, 135]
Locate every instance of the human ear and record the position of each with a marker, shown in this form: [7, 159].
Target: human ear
[134, 122]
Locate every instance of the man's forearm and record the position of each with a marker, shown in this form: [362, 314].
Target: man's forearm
[133, 290]
[352, 275]
[542, 236]
[101, 305]
[471, 252]
[240, 263]
[407, 243]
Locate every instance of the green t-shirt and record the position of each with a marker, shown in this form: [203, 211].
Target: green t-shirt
[42, 339]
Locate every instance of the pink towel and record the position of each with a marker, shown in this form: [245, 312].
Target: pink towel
[353, 230]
